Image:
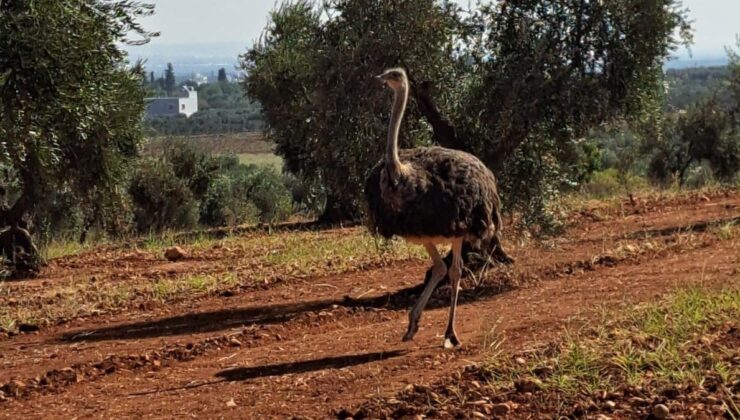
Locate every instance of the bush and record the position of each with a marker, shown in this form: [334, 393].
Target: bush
[223, 207]
[160, 199]
[611, 182]
[270, 195]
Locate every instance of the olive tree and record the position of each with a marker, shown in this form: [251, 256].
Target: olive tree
[70, 105]
[312, 72]
[518, 83]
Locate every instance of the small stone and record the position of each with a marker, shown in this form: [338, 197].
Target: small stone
[233, 342]
[175, 253]
[500, 409]
[610, 404]
[660, 411]
[231, 403]
[527, 385]
[520, 361]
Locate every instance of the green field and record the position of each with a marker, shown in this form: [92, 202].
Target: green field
[261, 159]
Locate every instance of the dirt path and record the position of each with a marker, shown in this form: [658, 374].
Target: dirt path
[310, 347]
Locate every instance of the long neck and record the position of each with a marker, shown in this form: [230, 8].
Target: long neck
[400, 96]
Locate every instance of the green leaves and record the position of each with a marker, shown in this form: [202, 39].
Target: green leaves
[521, 82]
[70, 104]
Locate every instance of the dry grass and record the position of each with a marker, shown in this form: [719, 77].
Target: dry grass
[230, 263]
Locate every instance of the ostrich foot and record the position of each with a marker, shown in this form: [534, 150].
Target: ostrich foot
[451, 341]
[411, 332]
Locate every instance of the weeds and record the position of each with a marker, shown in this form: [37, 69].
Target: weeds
[677, 342]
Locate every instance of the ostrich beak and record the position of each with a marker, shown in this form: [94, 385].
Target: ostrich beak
[381, 78]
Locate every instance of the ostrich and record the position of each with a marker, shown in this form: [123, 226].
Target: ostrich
[430, 196]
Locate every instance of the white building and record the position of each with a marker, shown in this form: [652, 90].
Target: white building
[186, 104]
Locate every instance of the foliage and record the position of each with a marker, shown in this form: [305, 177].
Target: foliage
[212, 191]
[612, 182]
[521, 82]
[161, 200]
[246, 194]
[70, 108]
[169, 79]
[325, 118]
[705, 132]
[208, 121]
[194, 168]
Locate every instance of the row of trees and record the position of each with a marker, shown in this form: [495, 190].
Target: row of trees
[518, 83]
[165, 84]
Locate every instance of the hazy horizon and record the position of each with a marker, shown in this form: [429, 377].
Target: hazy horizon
[207, 34]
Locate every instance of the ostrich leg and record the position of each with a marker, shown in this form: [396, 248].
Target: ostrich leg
[439, 270]
[451, 340]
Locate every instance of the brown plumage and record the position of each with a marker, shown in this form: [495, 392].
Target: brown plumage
[430, 195]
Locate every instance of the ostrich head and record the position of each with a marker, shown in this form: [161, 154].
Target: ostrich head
[394, 78]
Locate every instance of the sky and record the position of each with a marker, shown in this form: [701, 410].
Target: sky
[227, 27]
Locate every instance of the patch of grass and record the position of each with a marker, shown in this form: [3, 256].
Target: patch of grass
[199, 283]
[7, 322]
[307, 252]
[256, 257]
[164, 289]
[727, 231]
[158, 241]
[610, 183]
[261, 159]
[61, 248]
[678, 342]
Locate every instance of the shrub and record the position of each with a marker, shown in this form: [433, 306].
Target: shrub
[611, 182]
[223, 207]
[160, 199]
[270, 195]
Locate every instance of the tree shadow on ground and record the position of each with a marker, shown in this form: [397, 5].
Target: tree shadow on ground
[212, 321]
[695, 227]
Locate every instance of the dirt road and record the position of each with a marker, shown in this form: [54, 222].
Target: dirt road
[311, 347]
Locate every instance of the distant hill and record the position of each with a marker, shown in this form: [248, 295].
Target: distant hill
[683, 63]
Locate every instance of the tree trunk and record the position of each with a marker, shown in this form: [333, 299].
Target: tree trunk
[444, 132]
[16, 243]
[337, 211]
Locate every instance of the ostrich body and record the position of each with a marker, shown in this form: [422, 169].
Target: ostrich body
[430, 196]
